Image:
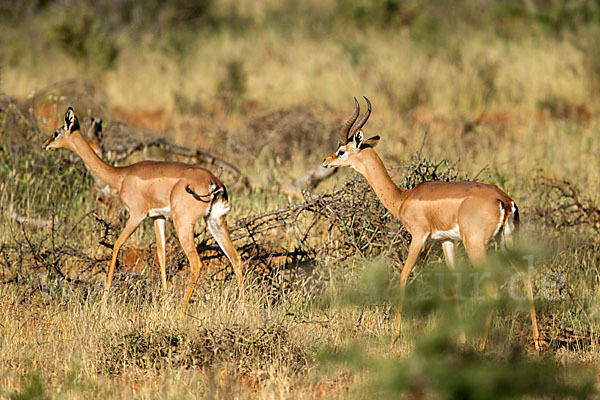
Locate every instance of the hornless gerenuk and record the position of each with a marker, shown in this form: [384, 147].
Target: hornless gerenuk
[158, 190]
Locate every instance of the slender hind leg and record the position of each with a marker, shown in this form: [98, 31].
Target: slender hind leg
[534, 326]
[185, 232]
[159, 229]
[130, 227]
[476, 253]
[507, 236]
[218, 228]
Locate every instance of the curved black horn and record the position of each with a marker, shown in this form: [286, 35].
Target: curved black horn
[348, 124]
[362, 121]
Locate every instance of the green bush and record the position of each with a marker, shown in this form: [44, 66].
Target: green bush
[379, 12]
[32, 388]
[85, 37]
[438, 365]
[232, 87]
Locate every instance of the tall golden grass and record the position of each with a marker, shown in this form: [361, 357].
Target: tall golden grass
[507, 111]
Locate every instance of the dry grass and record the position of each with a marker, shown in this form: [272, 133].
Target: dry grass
[504, 111]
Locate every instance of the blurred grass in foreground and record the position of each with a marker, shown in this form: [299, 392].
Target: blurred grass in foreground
[437, 365]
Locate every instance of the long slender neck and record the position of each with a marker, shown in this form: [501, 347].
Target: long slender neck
[105, 172]
[372, 168]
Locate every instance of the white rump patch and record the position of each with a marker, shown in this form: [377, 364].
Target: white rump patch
[452, 234]
[501, 221]
[160, 212]
[218, 208]
[215, 229]
[510, 221]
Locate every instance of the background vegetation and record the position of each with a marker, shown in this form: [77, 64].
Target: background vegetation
[506, 91]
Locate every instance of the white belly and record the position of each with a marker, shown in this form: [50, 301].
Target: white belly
[452, 234]
[160, 212]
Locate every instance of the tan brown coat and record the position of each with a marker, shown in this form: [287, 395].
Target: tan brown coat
[470, 212]
[158, 190]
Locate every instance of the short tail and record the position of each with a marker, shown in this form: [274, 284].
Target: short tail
[214, 192]
[516, 221]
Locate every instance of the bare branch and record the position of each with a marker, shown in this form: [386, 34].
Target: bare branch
[37, 222]
[423, 143]
[564, 206]
[310, 180]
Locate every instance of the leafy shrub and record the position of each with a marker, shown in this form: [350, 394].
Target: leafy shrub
[32, 387]
[376, 12]
[232, 87]
[86, 37]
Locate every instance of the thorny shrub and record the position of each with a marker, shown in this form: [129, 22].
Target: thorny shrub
[563, 205]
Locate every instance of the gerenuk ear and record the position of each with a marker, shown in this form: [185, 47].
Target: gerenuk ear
[371, 142]
[358, 139]
[71, 121]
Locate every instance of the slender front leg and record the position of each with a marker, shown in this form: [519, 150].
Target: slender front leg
[448, 247]
[130, 227]
[218, 228]
[159, 229]
[416, 245]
